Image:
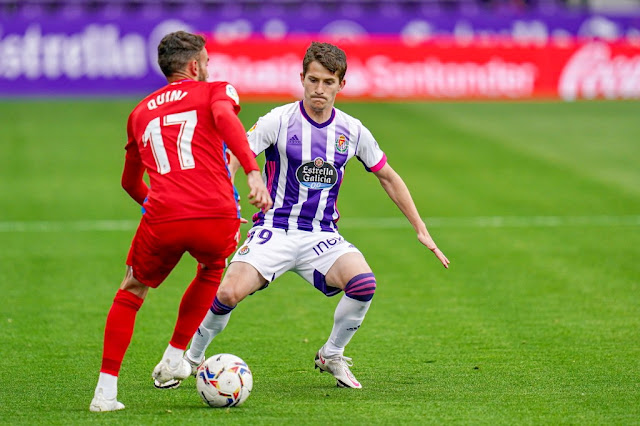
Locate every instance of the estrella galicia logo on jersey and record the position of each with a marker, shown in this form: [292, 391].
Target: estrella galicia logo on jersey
[342, 144]
[243, 250]
[317, 174]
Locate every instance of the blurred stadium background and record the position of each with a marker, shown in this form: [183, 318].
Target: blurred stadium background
[514, 123]
[428, 49]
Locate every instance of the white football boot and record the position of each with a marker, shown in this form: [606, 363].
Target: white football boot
[163, 373]
[338, 366]
[99, 403]
[175, 382]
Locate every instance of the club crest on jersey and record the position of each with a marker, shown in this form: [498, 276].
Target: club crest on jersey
[317, 174]
[342, 144]
[243, 250]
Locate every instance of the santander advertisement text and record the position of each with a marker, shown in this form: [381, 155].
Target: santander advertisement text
[387, 68]
[113, 59]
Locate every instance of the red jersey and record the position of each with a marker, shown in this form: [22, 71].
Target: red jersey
[179, 135]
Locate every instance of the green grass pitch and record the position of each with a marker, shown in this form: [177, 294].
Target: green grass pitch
[537, 205]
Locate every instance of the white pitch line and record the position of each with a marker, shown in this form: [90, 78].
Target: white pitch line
[363, 222]
[69, 226]
[498, 222]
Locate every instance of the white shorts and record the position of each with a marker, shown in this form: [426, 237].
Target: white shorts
[274, 251]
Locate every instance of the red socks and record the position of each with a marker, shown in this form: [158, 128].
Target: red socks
[122, 316]
[193, 307]
[118, 330]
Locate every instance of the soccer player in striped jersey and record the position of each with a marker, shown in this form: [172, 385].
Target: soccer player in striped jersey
[307, 145]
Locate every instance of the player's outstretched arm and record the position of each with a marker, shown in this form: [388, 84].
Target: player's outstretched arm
[400, 195]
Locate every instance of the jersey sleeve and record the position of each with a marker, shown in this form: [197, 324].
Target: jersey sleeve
[131, 147]
[133, 171]
[369, 153]
[232, 132]
[223, 91]
[264, 133]
[223, 97]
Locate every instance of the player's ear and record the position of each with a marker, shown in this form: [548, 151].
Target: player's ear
[302, 78]
[341, 85]
[194, 68]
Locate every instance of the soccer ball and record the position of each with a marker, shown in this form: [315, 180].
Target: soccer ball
[224, 380]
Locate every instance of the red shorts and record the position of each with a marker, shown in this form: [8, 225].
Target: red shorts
[157, 247]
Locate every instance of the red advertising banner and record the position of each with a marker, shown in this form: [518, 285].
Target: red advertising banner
[388, 68]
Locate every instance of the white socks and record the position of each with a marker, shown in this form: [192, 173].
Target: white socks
[173, 356]
[210, 327]
[109, 385]
[347, 319]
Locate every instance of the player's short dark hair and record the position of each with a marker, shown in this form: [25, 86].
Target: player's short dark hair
[331, 57]
[177, 49]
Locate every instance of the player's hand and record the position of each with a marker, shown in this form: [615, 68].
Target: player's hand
[431, 245]
[441, 257]
[258, 194]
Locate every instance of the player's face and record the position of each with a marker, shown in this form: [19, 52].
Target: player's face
[320, 87]
[203, 61]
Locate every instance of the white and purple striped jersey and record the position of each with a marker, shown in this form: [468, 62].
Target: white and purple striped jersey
[305, 164]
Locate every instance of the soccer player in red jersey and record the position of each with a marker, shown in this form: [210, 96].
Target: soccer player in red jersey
[179, 135]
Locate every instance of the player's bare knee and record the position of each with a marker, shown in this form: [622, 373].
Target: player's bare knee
[132, 285]
[228, 295]
[361, 287]
[345, 268]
